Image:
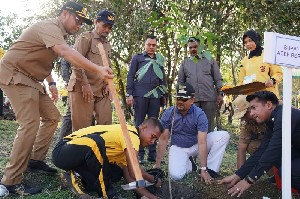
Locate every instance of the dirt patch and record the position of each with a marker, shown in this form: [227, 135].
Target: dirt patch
[179, 191]
[199, 190]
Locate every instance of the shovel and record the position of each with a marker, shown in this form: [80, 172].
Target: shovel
[140, 182]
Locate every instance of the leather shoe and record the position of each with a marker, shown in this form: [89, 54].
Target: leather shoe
[22, 189]
[37, 165]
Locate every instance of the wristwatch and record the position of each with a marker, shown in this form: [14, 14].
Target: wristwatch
[203, 168]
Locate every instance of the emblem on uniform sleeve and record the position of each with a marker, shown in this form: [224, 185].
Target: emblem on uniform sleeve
[263, 68]
[84, 11]
[111, 18]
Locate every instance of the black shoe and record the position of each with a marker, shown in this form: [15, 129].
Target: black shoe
[141, 160]
[194, 165]
[37, 165]
[22, 189]
[213, 174]
[151, 159]
[272, 180]
[73, 182]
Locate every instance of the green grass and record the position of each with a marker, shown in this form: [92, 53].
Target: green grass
[52, 185]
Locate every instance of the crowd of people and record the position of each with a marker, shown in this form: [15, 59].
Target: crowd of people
[92, 152]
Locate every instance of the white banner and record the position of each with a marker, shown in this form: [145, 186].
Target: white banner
[282, 50]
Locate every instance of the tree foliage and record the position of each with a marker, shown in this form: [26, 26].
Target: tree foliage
[219, 25]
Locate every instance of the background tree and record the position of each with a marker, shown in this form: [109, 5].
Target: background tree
[219, 24]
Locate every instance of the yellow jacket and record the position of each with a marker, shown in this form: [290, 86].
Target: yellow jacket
[260, 72]
[1, 53]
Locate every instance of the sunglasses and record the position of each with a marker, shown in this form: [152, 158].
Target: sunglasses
[182, 99]
[77, 20]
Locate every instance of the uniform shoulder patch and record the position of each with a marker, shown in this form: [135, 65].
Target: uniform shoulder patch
[85, 35]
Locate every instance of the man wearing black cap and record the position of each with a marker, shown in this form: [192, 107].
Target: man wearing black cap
[187, 125]
[23, 68]
[88, 94]
[265, 108]
[254, 69]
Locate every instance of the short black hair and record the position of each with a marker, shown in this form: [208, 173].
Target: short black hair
[154, 122]
[151, 37]
[263, 96]
[193, 39]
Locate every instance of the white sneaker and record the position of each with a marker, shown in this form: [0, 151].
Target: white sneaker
[3, 191]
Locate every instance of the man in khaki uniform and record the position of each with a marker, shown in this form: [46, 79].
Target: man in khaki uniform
[23, 69]
[87, 93]
[251, 133]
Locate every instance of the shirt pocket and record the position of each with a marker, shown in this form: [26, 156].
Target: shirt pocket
[94, 55]
[206, 68]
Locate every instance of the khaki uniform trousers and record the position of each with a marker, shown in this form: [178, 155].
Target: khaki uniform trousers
[82, 112]
[37, 117]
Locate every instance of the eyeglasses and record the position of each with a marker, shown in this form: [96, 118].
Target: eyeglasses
[77, 20]
[182, 99]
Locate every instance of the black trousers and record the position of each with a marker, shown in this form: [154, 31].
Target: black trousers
[66, 126]
[295, 172]
[1, 102]
[87, 157]
[209, 109]
[146, 107]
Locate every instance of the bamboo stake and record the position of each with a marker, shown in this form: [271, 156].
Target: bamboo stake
[131, 152]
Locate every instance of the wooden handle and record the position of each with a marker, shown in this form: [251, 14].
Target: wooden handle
[131, 152]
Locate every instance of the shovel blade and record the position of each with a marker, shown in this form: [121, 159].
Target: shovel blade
[132, 185]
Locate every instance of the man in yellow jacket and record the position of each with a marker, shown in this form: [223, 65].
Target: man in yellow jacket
[97, 155]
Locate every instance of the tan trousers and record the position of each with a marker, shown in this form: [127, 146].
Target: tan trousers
[82, 112]
[37, 117]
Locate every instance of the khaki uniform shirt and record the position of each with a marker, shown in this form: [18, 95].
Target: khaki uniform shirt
[29, 60]
[251, 131]
[86, 44]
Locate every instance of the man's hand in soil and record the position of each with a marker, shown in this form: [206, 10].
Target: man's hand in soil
[239, 188]
[204, 175]
[230, 181]
[159, 183]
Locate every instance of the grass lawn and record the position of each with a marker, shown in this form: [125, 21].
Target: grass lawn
[52, 185]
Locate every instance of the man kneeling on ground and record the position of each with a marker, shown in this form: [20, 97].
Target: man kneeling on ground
[187, 126]
[265, 108]
[93, 155]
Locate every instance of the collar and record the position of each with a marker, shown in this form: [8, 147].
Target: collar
[101, 38]
[146, 54]
[60, 25]
[189, 111]
[257, 52]
[275, 112]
